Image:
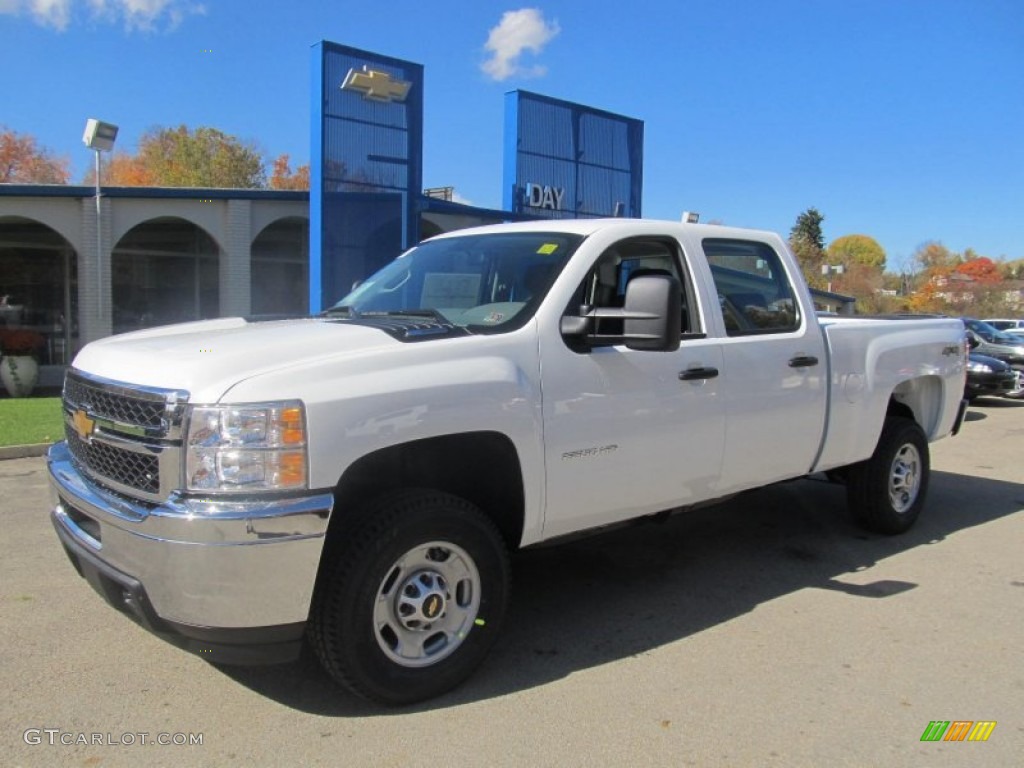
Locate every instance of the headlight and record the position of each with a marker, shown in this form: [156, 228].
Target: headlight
[250, 447]
[974, 367]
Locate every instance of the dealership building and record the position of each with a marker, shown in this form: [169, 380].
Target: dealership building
[74, 270]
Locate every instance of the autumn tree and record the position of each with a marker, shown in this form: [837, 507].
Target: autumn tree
[282, 177]
[956, 284]
[857, 249]
[808, 244]
[124, 170]
[867, 284]
[22, 161]
[181, 157]
[980, 269]
[934, 255]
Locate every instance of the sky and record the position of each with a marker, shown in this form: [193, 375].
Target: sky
[898, 119]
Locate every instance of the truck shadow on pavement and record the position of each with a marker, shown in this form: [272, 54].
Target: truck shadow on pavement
[620, 594]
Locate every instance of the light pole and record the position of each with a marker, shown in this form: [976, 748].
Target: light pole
[829, 269]
[99, 137]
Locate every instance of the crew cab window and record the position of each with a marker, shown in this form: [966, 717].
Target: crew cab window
[754, 293]
[605, 285]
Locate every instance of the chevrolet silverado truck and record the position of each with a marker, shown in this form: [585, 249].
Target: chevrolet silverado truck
[354, 482]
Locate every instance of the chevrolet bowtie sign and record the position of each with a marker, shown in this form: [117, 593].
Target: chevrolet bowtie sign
[375, 85]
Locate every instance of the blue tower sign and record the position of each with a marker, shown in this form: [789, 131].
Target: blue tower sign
[566, 160]
[366, 166]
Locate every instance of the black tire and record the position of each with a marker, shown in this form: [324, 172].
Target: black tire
[413, 599]
[887, 491]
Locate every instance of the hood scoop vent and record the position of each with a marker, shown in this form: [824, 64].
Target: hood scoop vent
[407, 329]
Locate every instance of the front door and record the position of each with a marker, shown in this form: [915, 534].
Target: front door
[625, 434]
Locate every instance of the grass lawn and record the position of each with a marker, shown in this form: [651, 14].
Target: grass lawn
[27, 420]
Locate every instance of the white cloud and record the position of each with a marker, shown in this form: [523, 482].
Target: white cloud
[517, 32]
[146, 14]
[49, 13]
[135, 14]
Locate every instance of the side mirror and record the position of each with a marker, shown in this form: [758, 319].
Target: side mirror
[651, 317]
[653, 313]
[973, 341]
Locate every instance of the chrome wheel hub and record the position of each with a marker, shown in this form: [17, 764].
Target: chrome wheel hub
[426, 604]
[905, 478]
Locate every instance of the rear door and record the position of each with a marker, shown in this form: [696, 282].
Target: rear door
[774, 374]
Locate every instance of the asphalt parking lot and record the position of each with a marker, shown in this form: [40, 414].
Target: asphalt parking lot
[765, 631]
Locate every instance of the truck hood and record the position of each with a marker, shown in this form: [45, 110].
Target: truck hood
[207, 358]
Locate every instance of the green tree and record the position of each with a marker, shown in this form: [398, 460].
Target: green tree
[857, 249]
[808, 245]
[181, 157]
[1013, 270]
[23, 162]
[807, 229]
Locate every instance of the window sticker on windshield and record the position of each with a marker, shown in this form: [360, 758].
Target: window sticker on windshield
[547, 249]
[450, 289]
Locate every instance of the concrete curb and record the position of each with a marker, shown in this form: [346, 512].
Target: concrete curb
[23, 451]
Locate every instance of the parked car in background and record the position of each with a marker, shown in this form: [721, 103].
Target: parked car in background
[1003, 324]
[984, 339]
[1012, 327]
[989, 376]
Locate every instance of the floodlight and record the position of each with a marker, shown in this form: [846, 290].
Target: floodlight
[99, 135]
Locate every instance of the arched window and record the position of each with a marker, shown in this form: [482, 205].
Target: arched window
[165, 270]
[39, 287]
[280, 268]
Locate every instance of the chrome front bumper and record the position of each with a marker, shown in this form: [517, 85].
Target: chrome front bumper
[218, 574]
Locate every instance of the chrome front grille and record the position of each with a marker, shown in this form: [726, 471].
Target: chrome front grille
[115, 406]
[125, 437]
[120, 466]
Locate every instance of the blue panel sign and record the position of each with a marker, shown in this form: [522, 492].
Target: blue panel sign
[565, 160]
[366, 166]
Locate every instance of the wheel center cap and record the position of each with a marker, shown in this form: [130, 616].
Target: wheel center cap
[433, 606]
[422, 600]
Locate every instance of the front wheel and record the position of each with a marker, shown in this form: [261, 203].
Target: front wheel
[887, 491]
[414, 599]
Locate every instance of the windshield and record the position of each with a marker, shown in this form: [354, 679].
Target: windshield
[484, 283]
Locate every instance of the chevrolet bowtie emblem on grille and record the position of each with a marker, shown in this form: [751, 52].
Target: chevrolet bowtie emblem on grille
[83, 424]
[376, 86]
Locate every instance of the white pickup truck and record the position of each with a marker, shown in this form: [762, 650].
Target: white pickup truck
[356, 480]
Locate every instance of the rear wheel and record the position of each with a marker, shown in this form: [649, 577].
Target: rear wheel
[887, 491]
[413, 601]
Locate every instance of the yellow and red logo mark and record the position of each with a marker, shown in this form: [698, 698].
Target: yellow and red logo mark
[958, 730]
[83, 424]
